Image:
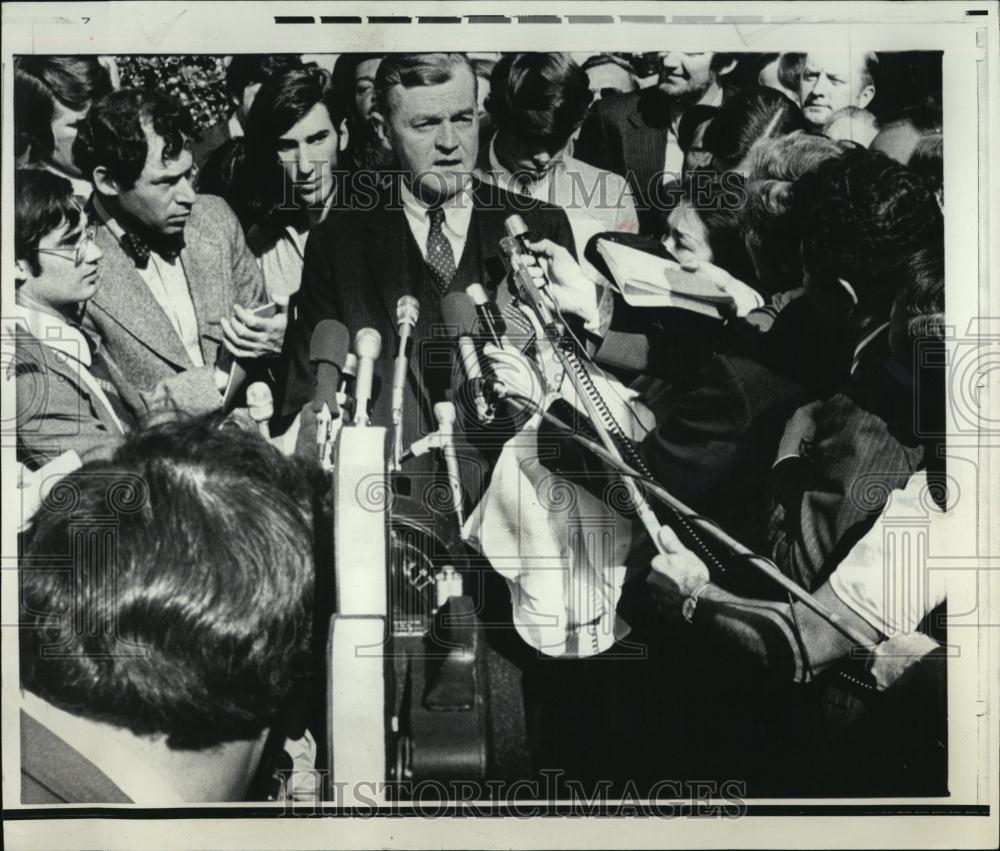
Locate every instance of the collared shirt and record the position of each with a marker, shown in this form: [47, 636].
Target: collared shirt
[70, 342]
[235, 128]
[98, 744]
[673, 157]
[864, 343]
[457, 218]
[168, 283]
[280, 255]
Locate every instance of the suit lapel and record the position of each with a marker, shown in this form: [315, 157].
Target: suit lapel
[126, 298]
[200, 262]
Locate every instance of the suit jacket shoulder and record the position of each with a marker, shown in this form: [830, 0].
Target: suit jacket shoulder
[53, 772]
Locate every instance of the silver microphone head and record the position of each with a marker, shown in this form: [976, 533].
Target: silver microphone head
[350, 365]
[368, 343]
[260, 403]
[515, 226]
[407, 310]
[477, 294]
[444, 413]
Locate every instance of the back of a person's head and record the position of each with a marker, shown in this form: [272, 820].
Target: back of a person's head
[247, 69]
[168, 591]
[113, 134]
[40, 82]
[925, 118]
[790, 70]
[863, 216]
[927, 160]
[43, 201]
[773, 168]
[756, 113]
[538, 94]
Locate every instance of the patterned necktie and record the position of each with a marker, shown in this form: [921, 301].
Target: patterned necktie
[440, 256]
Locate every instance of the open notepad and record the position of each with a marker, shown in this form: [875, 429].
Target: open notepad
[645, 280]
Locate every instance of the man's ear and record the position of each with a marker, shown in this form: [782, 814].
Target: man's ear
[104, 182]
[725, 69]
[381, 127]
[21, 273]
[865, 96]
[849, 291]
[344, 136]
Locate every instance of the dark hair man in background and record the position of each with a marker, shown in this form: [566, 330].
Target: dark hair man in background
[609, 75]
[296, 136]
[51, 97]
[635, 135]
[538, 101]
[201, 614]
[178, 281]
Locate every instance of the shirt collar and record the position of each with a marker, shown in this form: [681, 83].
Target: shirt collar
[235, 128]
[864, 344]
[117, 231]
[55, 332]
[457, 209]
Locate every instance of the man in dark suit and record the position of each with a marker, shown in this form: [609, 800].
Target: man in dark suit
[635, 134]
[430, 231]
[178, 282]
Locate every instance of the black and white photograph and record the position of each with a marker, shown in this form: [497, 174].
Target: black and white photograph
[482, 425]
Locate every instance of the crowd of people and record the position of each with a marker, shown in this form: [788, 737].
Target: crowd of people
[156, 260]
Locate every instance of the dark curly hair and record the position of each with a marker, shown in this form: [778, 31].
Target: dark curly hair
[113, 134]
[863, 217]
[751, 114]
[196, 617]
[539, 94]
[42, 81]
[42, 202]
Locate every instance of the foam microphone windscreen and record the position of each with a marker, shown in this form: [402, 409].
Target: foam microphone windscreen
[459, 315]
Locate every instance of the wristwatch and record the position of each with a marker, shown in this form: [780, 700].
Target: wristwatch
[691, 603]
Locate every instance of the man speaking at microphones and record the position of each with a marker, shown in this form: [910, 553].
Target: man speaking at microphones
[428, 230]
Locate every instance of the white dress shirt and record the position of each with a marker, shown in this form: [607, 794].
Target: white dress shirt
[168, 283]
[673, 156]
[457, 217]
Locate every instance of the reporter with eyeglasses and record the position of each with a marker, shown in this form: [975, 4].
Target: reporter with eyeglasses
[70, 398]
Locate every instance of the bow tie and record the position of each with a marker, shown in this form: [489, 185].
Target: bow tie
[139, 248]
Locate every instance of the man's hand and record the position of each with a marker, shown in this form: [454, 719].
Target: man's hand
[247, 335]
[677, 572]
[799, 431]
[519, 375]
[571, 289]
[745, 298]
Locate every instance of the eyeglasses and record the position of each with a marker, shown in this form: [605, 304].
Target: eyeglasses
[79, 251]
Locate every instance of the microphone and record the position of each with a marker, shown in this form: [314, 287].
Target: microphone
[328, 350]
[489, 314]
[444, 413]
[458, 313]
[368, 346]
[521, 259]
[261, 406]
[407, 313]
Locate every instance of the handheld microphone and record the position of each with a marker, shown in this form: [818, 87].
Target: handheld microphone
[489, 314]
[368, 346]
[444, 413]
[328, 350]
[459, 314]
[520, 260]
[407, 313]
[261, 406]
